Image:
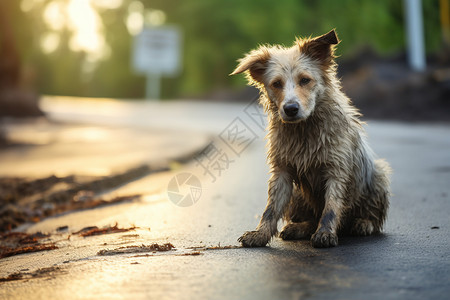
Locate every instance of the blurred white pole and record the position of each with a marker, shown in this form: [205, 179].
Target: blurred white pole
[153, 86]
[414, 28]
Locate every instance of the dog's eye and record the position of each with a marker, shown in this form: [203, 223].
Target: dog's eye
[304, 81]
[277, 84]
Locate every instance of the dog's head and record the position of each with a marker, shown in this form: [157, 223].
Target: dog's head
[292, 78]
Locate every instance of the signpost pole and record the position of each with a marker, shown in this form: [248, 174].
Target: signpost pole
[153, 86]
[156, 52]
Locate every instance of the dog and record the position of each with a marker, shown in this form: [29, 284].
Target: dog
[325, 180]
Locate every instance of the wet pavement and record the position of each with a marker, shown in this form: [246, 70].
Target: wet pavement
[408, 261]
[42, 148]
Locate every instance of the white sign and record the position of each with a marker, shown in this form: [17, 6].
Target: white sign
[157, 51]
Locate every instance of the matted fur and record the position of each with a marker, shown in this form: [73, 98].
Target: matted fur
[325, 178]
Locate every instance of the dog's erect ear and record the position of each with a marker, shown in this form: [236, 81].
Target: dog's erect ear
[255, 62]
[320, 48]
[329, 38]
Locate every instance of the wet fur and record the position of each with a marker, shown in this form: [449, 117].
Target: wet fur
[325, 178]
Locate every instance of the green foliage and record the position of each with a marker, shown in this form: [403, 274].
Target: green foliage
[215, 34]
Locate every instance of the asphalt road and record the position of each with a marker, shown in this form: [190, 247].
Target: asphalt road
[410, 260]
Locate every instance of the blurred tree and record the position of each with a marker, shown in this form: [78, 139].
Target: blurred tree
[9, 56]
[15, 98]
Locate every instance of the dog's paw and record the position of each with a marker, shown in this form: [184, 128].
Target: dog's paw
[362, 227]
[297, 231]
[254, 239]
[324, 239]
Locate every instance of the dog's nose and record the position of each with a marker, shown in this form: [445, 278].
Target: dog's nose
[291, 109]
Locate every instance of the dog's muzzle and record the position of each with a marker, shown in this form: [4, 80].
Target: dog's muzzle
[291, 109]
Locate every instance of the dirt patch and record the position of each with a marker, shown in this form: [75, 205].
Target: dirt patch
[25, 200]
[5, 252]
[386, 88]
[219, 247]
[94, 230]
[222, 247]
[40, 273]
[138, 249]
[195, 253]
[14, 243]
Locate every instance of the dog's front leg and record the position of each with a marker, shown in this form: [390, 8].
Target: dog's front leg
[280, 192]
[326, 233]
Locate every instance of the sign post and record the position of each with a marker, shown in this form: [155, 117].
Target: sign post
[153, 86]
[157, 53]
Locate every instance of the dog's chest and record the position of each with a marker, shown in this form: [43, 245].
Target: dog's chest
[302, 150]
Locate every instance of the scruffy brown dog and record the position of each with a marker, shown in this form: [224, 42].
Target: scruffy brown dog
[325, 180]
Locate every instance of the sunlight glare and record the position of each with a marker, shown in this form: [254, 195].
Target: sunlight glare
[136, 6]
[87, 27]
[54, 15]
[107, 4]
[28, 5]
[135, 18]
[82, 19]
[155, 17]
[50, 42]
[135, 22]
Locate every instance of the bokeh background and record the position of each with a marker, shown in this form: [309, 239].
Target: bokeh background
[84, 48]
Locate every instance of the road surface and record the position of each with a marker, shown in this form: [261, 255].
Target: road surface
[410, 260]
